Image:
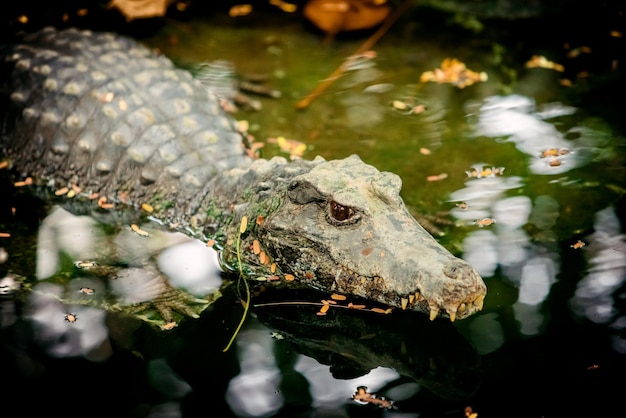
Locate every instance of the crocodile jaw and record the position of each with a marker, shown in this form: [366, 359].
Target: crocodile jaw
[453, 297]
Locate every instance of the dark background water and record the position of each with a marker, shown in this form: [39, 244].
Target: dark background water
[550, 340]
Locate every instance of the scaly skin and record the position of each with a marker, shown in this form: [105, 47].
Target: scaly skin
[103, 113]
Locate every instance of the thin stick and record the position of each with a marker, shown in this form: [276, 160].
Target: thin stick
[367, 45]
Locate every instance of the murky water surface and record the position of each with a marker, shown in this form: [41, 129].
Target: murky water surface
[518, 178]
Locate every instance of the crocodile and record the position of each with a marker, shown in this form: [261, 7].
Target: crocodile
[101, 114]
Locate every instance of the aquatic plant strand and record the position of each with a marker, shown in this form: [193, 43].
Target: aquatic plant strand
[242, 229]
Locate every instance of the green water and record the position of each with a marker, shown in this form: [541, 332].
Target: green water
[550, 340]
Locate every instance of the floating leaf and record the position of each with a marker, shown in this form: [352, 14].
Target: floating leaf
[291, 146]
[454, 72]
[539, 61]
[437, 177]
[240, 10]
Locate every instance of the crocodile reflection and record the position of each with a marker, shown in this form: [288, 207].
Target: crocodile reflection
[118, 271]
[353, 342]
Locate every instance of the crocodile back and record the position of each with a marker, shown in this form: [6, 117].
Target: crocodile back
[106, 114]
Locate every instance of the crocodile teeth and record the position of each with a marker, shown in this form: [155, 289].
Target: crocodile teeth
[411, 299]
[479, 302]
[452, 314]
[433, 313]
[462, 307]
[404, 302]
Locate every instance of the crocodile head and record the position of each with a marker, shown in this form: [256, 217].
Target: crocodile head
[343, 227]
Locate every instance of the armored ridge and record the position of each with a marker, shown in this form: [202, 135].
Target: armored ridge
[107, 114]
[102, 113]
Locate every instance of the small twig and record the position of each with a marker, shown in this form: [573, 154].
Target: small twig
[303, 303]
[365, 46]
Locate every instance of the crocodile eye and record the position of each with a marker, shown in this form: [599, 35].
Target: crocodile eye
[341, 215]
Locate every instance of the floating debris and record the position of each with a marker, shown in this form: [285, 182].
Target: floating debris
[408, 106]
[378, 88]
[62, 191]
[284, 6]
[102, 203]
[454, 72]
[554, 162]
[364, 397]
[26, 182]
[87, 290]
[85, 265]
[137, 230]
[256, 247]
[147, 208]
[437, 177]
[291, 146]
[482, 172]
[71, 318]
[553, 152]
[469, 412]
[169, 325]
[578, 244]
[539, 61]
[240, 10]
[484, 222]
[573, 53]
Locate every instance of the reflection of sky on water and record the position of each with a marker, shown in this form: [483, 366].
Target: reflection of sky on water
[595, 293]
[532, 264]
[504, 242]
[191, 265]
[61, 232]
[87, 337]
[515, 118]
[187, 262]
[328, 392]
[256, 391]
[505, 245]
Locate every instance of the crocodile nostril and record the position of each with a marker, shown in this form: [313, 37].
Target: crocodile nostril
[457, 270]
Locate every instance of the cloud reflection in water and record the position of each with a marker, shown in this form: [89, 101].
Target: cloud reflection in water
[515, 118]
[88, 336]
[531, 267]
[595, 293]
